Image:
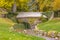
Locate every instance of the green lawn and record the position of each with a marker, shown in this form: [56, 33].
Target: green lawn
[53, 25]
[6, 35]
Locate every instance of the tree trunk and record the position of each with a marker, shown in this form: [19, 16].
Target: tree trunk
[14, 8]
[52, 16]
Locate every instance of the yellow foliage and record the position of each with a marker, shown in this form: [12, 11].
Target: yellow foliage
[6, 4]
[23, 1]
[56, 4]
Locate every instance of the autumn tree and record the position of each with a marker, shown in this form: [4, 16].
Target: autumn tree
[56, 5]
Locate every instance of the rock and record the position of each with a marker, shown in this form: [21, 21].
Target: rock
[58, 34]
[25, 31]
[52, 34]
[11, 29]
[56, 38]
[41, 32]
[36, 28]
[45, 33]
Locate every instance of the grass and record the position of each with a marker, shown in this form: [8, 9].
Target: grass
[5, 34]
[6, 21]
[53, 25]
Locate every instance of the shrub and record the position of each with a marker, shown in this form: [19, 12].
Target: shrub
[43, 19]
[12, 16]
[19, 26]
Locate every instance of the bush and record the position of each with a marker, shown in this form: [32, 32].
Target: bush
[19, 26]
[12, 16]
[43, 19]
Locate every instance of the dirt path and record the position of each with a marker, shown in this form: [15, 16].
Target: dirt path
[47, 38]
[31, 32]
